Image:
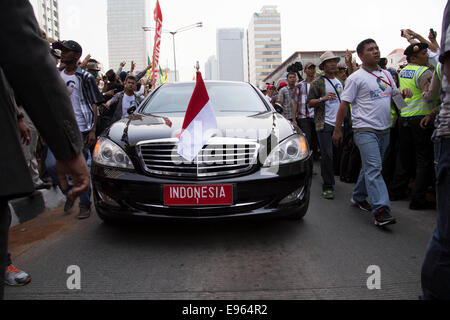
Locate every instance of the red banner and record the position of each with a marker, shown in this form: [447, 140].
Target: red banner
[155, 60]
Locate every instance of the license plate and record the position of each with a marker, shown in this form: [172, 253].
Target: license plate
[198, 195]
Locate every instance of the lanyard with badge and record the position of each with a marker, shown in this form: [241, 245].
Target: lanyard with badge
[397, 98]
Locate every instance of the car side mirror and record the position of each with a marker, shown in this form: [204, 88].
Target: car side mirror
[278, 108]
[131, 110]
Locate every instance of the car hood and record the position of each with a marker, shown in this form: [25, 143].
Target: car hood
[141, 127]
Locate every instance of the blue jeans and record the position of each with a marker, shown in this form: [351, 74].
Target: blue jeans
[372, 147]
[436, 266]
[50, 161]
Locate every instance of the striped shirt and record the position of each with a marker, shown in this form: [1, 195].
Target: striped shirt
[89, 95]
[301, 95]
[286, 98]
[442, 122]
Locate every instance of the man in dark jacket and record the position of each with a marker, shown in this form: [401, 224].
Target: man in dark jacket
[47, 104]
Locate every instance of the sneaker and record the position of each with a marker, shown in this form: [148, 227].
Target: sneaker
[16, 277]
[328, 194]
[383, 217]
[84, 212]
[363, 205]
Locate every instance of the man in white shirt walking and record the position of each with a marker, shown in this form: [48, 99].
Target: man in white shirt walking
[324, 96]
[370, 90]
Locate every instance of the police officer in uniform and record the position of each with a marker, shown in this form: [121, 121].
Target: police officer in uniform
[415, 145]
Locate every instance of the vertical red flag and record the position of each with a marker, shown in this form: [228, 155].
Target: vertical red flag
[155, 60]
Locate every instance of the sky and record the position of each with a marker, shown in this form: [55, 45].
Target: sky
[305, 25]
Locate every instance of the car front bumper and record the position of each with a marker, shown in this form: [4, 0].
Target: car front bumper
[126, 194]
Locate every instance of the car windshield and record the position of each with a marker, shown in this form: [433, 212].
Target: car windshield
[224, 97]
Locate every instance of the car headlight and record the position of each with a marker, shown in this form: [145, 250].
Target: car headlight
[110, 154]
[292, 149]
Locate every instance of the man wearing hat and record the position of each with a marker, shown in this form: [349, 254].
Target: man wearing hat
[415, 141]
[92, 68]
[85, 97]
[324, 97]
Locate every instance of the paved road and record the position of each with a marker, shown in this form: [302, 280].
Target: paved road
[325, 256]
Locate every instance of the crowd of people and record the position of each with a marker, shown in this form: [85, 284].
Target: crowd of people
[367, 124]
[376, 126]
[98, 100]
[404, 125]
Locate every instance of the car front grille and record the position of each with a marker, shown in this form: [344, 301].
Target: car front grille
[220, 157]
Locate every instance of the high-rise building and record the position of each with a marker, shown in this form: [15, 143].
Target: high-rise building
[230, 54]
[211, 71]
[127, 41]
[47, 15]
[263, 45]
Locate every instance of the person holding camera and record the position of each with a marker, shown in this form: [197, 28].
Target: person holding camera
[433, 47]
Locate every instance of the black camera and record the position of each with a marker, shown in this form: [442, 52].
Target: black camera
[296, 67]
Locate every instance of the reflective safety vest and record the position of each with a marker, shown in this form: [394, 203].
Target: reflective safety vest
[438, 71]
[394, 115]
[409, 78]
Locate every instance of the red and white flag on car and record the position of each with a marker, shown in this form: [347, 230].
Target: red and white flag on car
[199, 122]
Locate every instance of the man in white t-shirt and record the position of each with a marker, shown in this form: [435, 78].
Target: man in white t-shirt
[117, 106]
[324, 96]
[370, 90]
[85, 97]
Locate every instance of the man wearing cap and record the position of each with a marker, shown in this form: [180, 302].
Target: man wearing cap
[303, 115]
[85, 98]
[324, 97]
[415, 141]
[269, 93]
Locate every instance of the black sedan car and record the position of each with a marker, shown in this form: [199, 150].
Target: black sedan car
[255, 164]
